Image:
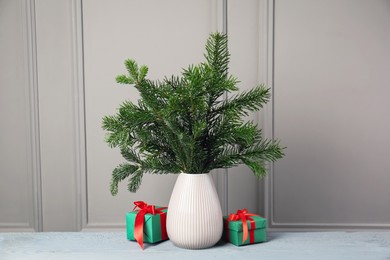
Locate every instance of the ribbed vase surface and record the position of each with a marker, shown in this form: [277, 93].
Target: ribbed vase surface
[194, 218]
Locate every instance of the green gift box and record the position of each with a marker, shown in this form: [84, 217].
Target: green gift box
[234, 232]
[154, 228]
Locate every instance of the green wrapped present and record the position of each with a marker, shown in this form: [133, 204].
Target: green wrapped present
[147, 224]
[244, 228]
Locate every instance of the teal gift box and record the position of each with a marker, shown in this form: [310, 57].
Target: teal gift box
[234, 230]
[154, 226]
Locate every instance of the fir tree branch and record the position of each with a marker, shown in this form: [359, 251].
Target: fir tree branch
[120, 173]
[182, 124]
[123, 79]
[244, 102]
[131, 155]
[132, 68]
[217, 54]
[135, 180]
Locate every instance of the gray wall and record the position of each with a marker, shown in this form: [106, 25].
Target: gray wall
[166, 43]
[331, 109]
[18, 158]
[326, 60]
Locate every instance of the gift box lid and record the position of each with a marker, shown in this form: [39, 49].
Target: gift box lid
[148, 215]
[260, 223]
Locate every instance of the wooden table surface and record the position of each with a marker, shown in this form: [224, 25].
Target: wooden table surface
[114, 245]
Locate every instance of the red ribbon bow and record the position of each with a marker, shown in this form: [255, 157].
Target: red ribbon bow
[243, 215]
[144, 209]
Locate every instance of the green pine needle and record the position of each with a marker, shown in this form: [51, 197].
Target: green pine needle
[183, 124]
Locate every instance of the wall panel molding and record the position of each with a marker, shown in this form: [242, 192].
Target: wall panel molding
[79, 114]
[327, 226]
[17, 227]
[34, 160]
[243, 31]
[22, 209]
[90, 220]
[58, 85]
[344, 12]
[220, 16]
[265, 75]
[103, 227]
[41, 42]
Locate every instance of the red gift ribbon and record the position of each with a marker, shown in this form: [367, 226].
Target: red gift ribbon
[144, 209]
[244, 216]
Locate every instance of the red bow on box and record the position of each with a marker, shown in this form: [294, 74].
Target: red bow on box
[144, 209]
[243, 215]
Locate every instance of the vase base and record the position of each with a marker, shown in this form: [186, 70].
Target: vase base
[194, 247]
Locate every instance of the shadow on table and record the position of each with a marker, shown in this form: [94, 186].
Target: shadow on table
[221, 243]
[270, 237]
[274, 235]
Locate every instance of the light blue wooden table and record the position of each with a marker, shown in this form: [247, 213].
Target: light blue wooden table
[113, 245]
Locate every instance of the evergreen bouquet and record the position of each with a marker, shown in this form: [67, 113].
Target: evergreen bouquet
[183, 124]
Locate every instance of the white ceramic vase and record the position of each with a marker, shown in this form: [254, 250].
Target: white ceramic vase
[194, 219]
